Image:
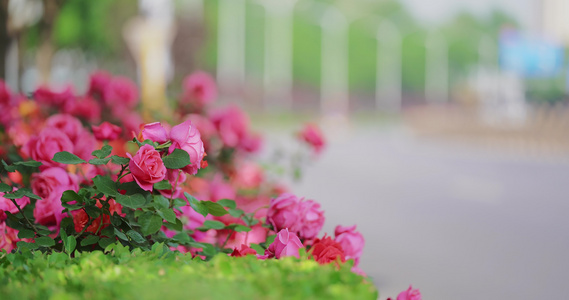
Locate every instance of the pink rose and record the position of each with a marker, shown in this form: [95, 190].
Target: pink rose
[351, 241]
[249, 175]
[46, 144]
[87, 108]
[199, 88]
[232, 125]
[243, 251]
[6, 205]
[98, 82]
[4, 93]
[120, 93]
[68, 124]
[286, 244]
[409, 294]
[312, 219]
[154, 132]
[50, 185]
[185, 136]
[312, 135]
[8, 237]
[62, 99]
[147, 167]
[284, 213]
[131, 122]
[106, 131]
[85, 145]
[326, 250]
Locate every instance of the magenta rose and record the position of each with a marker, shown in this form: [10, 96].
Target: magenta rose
[98, 82]
[85, 145]
[50, 185]
[285, 213]
[62, 99]
[312, 219]
[147, 167]
[154, 132]
[43, 146]
[409, 294]
[185, 136]
[86, 108]
[312, 135]
[199, 88]
[121, 94]
[68, 124]
[106, 131]
[232, 125]
[286, 244]
[351, 241]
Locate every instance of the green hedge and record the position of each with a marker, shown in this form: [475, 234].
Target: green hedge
[162, 274]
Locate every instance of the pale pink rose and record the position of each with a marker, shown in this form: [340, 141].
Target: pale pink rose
[176, 179]
[258, 234]
[6, 205]
[154, 132]
[409, 294]
[98, 82]
[204, 126]
[248, 175]
[185, 136]
[119, 93]
[199, 88]
[68, 124]
[8, 237]
[285, 213]
[62, 99]
[351, 241]
[286, 244]
[147, 167]
[312, 135]
[106, 131]
[50, 185]
[312, 219]
[46, 144]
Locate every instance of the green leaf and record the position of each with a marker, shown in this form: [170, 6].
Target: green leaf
[121, 235]
[57, 258]
[8, 168]
[45, 241]
[136, 236]
[241, 228]
[260, 250]
[89, 240]
[160, 202]
[178, 226]
[270, 239]
[28, 193]
[93, 211]
[132, 201]
[29, 163]
[119, 160]
[177, 159]
[67, 158]
[211, 224]
[103, 152]
[31, 246]
[70, 196]
[227, 203]
[26, 234]
[215, 208]
[235, 212]
[4, 188]
[105, 185]
[150, 223]
[167, 214]
[105, 242]
[163, 185]
[197, 205]
[70, 245]
[182, 238]
[99, 161]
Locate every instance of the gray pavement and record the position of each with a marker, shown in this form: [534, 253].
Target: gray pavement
[455, 221]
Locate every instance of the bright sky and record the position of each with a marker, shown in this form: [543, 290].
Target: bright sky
[437, 11]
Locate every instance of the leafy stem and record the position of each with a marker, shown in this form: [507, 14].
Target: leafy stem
[28, 220]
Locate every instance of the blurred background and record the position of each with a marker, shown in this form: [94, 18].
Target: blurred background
[447, 120]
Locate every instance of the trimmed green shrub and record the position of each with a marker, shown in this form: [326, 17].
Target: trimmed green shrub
[163, 274]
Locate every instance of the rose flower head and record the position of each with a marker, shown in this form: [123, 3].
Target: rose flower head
[326, 250]
[146, 167]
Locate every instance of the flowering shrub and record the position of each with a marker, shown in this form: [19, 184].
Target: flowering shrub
[82, 173]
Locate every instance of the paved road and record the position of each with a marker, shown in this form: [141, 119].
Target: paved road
[456, 222]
